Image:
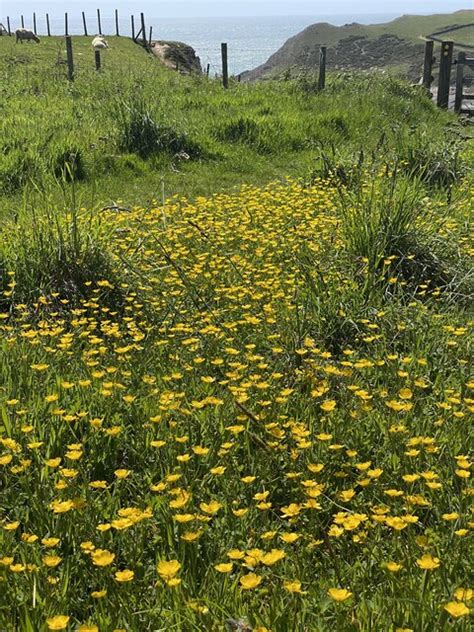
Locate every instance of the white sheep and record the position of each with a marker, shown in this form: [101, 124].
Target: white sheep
[27, 35]
[99, 42]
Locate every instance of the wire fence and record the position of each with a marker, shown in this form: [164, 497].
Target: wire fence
[243, 53]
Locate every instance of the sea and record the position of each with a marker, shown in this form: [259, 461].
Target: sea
[250, 39]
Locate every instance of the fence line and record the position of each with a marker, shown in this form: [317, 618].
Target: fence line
[444, 91]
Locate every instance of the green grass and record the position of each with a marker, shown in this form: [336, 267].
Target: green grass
[461, 37]
[242, 393]
[45, 118]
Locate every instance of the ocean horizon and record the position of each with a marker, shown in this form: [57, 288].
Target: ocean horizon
[251, 39]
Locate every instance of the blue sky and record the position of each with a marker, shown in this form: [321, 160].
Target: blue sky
[203, 8]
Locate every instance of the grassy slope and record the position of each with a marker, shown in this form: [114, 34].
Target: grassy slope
[408, 27]
[43, 116]
[271, 387]
[411, 28]
[51, 107]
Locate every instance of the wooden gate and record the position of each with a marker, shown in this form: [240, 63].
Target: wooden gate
[446, 96]
[463, 62]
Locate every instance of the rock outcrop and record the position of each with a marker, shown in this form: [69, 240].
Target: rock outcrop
[178, 56]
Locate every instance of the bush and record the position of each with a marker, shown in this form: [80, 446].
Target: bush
[306, 83]
[241, 130]
[336, 168]
[336, 123]
[140, 133]
[68, 164]
[393, 232]
[58, 257]
[263, 136]
[16, 169]
[437, 165]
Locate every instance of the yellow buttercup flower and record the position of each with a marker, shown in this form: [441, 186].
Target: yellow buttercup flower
[11, 526]
[167, 569]
[339, 594]
[102, 557]
[173, 582]
[293, 587]
[62, 506]
[58, 622]
[457, 609]
[464, 594]
[428, 563]
[210, 508]
[289, 538]
[51, 560]
[273, 557]
[328, 405]
[124, 576]
[249, 581]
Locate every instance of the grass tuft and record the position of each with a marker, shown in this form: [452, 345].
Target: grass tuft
[141, 133]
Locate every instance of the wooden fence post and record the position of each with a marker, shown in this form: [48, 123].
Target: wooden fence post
[149, 39]
[142, 18]
[117, 32]
[22, 22]
[445, 74]
[99, 24]
[84, 23]
[132, 20]
[208, 68]
[225, 67]
[8, 26]
[97, 59]
[70, 61]
[322, 68]
[34, 24]
[459, 82]
[138, 35]
[48, 27]
[66, 25]
[428, 65]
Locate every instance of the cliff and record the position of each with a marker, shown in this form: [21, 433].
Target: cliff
[396, 45]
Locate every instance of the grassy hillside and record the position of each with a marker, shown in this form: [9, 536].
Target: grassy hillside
[235, 343]
[250, 133]
[397, 44]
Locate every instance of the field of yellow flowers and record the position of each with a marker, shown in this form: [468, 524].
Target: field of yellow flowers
[239, 423]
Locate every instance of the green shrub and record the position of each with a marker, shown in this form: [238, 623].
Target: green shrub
[263, 136]
[336, 123]
[141, 133]
[306, 83]
[241, 130]
[57, 256]
[68, 164]
[436, 164]
[331, 304]
[393, 232]
[337, 168]
[17, 167]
